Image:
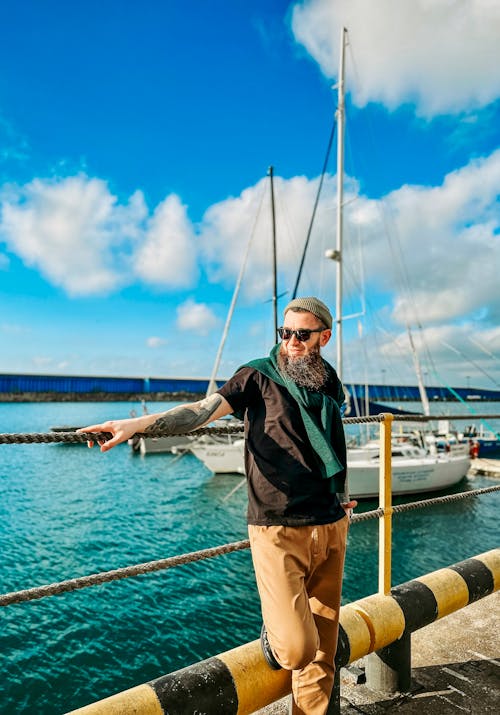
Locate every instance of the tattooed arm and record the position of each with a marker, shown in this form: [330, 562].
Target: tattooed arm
[178, 420]
[186, 418]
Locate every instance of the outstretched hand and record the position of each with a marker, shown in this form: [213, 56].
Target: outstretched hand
[120, 430]
[349, 506]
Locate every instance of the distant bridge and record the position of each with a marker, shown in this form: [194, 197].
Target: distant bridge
[23, 384]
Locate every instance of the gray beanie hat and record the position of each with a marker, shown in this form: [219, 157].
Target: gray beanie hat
[314, 306]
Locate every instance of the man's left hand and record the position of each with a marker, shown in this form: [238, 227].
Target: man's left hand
[349, 506]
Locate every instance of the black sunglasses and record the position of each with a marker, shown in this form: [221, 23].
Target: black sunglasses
[303, 334]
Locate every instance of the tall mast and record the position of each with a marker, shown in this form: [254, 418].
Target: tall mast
[212, 384]
[420, 380]
[340, 198]
[275, 268]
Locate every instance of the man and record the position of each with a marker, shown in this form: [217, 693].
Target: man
[295, 459]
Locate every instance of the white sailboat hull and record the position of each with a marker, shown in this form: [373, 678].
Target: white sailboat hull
[409, 476]
[221, 458]
[177, 443]
[158, 445]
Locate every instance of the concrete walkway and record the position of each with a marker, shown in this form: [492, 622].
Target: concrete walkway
[485, 468]
[455, 669]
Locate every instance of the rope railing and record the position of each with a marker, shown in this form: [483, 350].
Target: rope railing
[74, 584]
[82, 437]
[415, 418]
[385, 511]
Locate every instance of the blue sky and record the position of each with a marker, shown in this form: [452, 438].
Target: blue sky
[134, 145]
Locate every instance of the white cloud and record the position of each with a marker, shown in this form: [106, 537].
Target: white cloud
[444, 238]
[155, 342]
[452, 353]
[13, 329]
[13, 146]
[196, 317]
[488, 343]
[445, 248]
[441, 55]
[42, 361]
[446, 356]
[80, 238]
[72, 231]
[229, 225]
[168, 255]
[439, 244]
[431, 257]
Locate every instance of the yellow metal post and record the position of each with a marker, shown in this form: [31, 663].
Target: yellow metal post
[385, 503]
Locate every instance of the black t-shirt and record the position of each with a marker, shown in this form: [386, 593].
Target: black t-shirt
[285, 485]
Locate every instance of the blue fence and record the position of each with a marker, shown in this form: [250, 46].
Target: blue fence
[88, 384]
[402, 393]
[21, 383]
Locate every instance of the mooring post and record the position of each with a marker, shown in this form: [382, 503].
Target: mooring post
[388, 670]
[385, 503]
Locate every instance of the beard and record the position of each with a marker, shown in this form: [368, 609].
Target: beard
[308, 371]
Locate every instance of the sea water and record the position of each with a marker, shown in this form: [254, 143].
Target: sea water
[68, 511]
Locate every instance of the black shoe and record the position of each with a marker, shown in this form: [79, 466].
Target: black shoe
[266, 650]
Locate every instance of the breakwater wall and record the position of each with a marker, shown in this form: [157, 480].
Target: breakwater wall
[99, 396]
[97, 388]
[50, 388]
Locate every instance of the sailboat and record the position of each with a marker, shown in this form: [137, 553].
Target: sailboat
[199, 444]
[417, 466]
[154, 445]
[158, 445]
[226, 455]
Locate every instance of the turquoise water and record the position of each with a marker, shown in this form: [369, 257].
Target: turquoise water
[68, 511]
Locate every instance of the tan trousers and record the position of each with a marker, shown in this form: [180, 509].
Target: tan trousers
[299, 577]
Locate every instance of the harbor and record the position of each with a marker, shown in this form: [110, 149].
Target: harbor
[57, 524]
[149, 257]
[381, 626]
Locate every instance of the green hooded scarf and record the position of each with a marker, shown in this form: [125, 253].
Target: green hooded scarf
[311, 404]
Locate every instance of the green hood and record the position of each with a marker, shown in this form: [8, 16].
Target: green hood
[322, 432]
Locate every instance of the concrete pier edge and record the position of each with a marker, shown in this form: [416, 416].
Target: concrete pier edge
[239, 681]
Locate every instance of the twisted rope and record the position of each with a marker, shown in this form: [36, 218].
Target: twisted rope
[82, 437]
[399, 508]
[363, 420]
[381, 417]
[32, 594]
[73, 584]
[74, 438]
[411, 506]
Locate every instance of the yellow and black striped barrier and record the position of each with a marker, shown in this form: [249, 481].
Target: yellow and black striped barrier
[239, 681]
